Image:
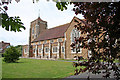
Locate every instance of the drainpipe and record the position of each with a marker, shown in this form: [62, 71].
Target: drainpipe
[49, 50]
[42, 51]
[36, 52]
[58, 50]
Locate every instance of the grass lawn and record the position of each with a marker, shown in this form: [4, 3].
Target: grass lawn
[0, 67]
[32, 68]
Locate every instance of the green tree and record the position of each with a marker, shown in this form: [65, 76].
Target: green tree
[7, 22]
[11, 55]
[19, 48]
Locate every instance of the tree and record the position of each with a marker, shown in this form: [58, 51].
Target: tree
[19, 48]
[7, 22]
[11, 55]
[102, 29]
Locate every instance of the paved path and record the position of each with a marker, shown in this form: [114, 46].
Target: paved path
[52, 59]
[83, 76]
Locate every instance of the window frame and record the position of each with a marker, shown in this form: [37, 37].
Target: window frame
[25, 50]
[51, 41]
[33, 31]
[39, 50]
[62, 47]
[45, 49]
[74, 33]
[60, 40]
[34, 51]
[54, 48]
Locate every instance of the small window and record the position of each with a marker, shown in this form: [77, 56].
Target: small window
[33, 50]
[74, 33]
[51, 41]
[33, 37]
[40, 50]
[25, 50]
[79, 50]
[46, 49]
[54, 49]
[59, 40]
[63, 49]
[33, 30]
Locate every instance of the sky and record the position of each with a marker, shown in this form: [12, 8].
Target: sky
[29, 11]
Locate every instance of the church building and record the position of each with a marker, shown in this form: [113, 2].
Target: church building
[54, 42]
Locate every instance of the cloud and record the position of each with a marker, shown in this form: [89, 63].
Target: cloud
[29, 12]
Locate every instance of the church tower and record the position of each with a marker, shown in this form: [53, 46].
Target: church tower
[36, 27]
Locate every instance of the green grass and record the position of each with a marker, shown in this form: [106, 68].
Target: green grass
[32, 68]
[0, 67]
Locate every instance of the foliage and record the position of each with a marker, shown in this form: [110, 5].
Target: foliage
[102, 26]
[62, 5]
[11, 55]
[19, 48]
[9, 23]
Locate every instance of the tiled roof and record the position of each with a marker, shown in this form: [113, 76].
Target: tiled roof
[56, 32]
[3, 45]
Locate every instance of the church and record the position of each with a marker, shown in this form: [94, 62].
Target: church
[54, 42]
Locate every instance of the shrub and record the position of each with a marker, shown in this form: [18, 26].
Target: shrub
[11, 55]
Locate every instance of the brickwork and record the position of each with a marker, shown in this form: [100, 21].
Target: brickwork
[54, 47]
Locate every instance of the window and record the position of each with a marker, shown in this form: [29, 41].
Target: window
[33, 50]
[33, 30]
[54, 49]
[25, 50]
[7, 46]
[33, 43]
[33, 37]
[59, 40]
[63, 49]
[74, 33]
[79, 50]
[46, 49]
[36, 29]
[51, 41]
[40, 50]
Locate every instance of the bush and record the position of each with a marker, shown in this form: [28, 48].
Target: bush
[11, 55]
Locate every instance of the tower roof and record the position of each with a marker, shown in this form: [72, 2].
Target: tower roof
[39, 20]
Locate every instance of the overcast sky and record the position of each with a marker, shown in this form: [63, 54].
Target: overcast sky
[29, 12]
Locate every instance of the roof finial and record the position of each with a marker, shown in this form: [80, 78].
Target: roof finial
[39, 13]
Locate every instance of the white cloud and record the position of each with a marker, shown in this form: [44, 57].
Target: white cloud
[28, 12]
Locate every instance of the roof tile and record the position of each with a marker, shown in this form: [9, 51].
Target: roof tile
[53, 33]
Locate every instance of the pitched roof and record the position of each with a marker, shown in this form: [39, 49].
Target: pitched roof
[53, 33]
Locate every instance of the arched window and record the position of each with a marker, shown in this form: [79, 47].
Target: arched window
[36, 30]
[74, 33]
[32, 30]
